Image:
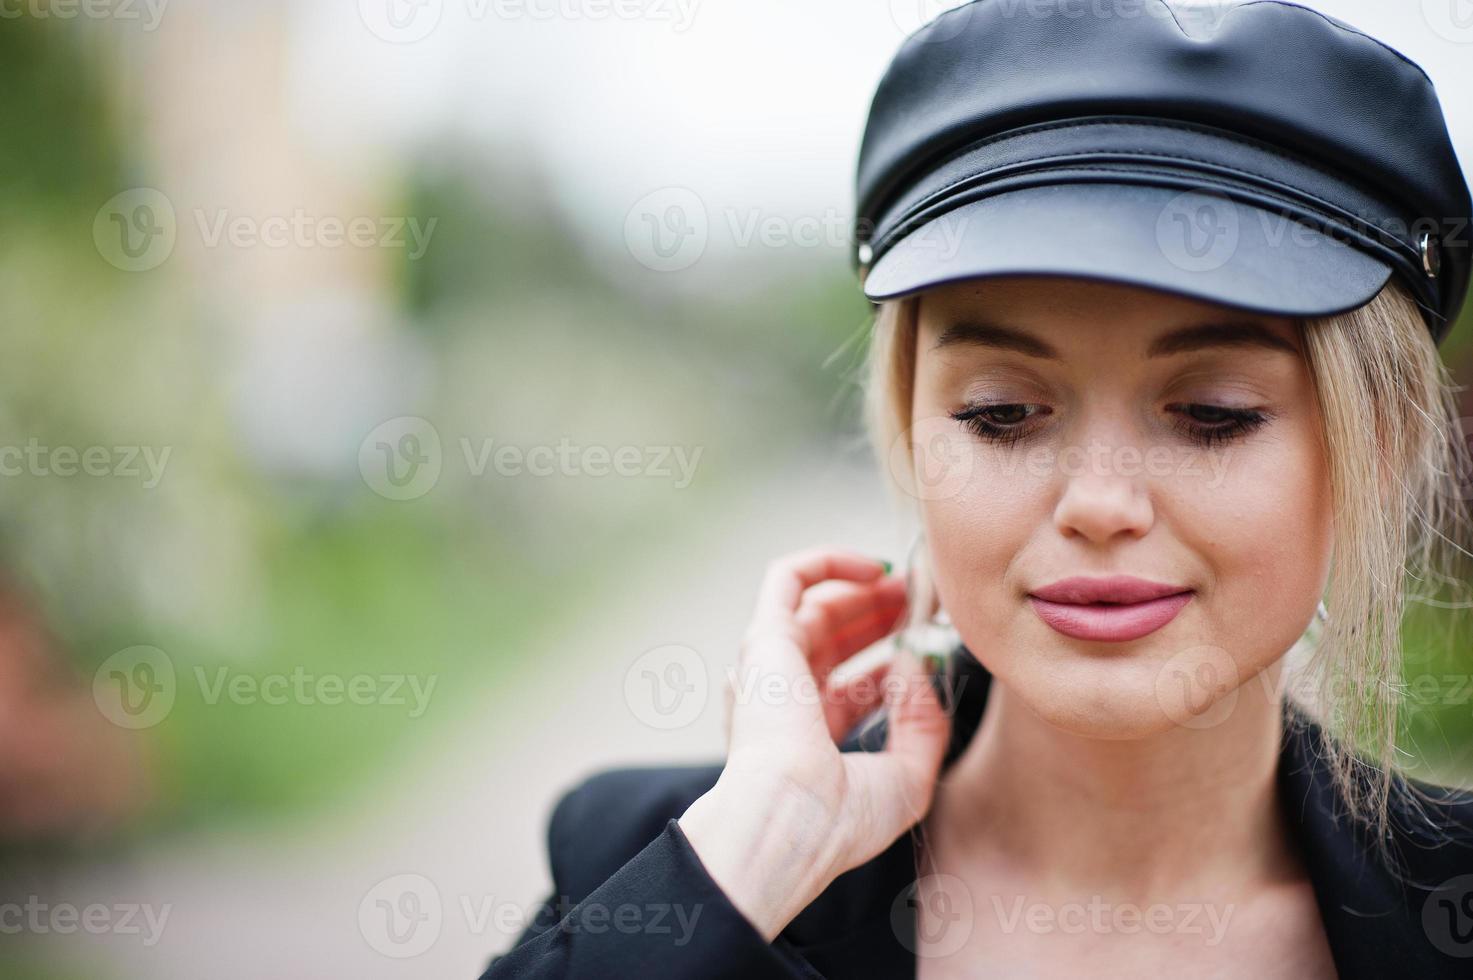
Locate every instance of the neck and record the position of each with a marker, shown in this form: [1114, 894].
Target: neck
[1172, 811]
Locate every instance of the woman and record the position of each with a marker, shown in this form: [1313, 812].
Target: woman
[1155, 355]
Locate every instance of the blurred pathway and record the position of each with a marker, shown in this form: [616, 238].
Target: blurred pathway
[467, 821]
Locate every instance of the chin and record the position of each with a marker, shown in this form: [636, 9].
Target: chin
[1128, 696]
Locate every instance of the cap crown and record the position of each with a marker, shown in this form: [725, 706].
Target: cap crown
[1309, 84]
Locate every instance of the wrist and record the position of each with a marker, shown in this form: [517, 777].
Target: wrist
[768, 853]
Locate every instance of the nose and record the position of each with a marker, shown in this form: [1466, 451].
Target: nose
[1102, 498]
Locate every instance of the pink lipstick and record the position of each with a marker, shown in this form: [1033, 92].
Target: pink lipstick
[1113, 609]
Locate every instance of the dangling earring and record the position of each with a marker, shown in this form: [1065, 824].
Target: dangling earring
[905, 638]
[910, 563]
[1321, 613]
[932, 639]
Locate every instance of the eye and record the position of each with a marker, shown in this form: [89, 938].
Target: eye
[1004, 422]
[1206, 425]
[1211, 425]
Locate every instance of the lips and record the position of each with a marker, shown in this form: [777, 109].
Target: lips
[1113, 609]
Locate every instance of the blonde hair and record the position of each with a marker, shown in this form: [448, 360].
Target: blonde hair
[1399, 472]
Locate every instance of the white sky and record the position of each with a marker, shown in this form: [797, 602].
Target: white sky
[750, 103]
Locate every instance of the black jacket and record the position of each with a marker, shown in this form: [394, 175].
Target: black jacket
[632, 899]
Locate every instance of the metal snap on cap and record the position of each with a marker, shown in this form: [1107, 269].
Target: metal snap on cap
[1431, 254]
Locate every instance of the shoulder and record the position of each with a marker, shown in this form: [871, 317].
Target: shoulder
[1425, 839]
[608, 817]
[1433, 825]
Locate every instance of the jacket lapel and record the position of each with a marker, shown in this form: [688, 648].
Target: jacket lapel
[1372, 917]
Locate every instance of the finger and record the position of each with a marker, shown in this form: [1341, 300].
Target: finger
[849, 699]
[866, 631]
[919, 730]
[774, 651]
[787, 577]
[840, 602]
[831, 618]
[854, 638]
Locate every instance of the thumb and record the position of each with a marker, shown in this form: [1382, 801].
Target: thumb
[919, 728]
[899, 782]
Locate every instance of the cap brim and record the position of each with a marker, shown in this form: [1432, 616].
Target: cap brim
[1191, 243]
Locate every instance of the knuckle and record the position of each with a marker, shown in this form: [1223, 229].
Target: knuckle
[781, 565]
[766, 629]
[810, 615]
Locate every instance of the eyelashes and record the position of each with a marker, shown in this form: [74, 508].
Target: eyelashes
[1006, 423]
[983, 421]
[1225, 425]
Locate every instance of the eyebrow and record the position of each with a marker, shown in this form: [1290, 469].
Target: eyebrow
[1202, 336]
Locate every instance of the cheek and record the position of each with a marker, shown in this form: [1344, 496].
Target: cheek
[978, 525]
[1260, 522]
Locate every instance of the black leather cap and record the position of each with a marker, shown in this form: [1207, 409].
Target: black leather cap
[1261, 155]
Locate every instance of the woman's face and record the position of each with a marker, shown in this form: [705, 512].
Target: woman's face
[1068, 427]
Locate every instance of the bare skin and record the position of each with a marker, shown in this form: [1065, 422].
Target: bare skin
[1123, 782]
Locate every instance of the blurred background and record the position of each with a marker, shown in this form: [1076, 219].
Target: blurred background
[389, 390]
